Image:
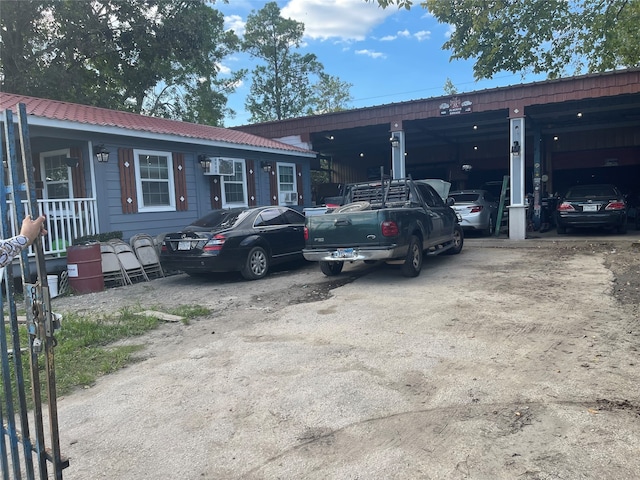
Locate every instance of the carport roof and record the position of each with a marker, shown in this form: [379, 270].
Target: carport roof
[605, 99]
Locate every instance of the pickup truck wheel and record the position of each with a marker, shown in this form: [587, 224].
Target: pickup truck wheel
[256, 265]
[413, 262]
[331, 268]
[458, 241]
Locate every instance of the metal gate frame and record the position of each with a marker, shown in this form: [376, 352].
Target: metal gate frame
[42, 323]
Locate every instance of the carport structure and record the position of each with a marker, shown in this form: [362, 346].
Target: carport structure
[545, 135]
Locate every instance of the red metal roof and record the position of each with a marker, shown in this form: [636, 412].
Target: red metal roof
[102, 117]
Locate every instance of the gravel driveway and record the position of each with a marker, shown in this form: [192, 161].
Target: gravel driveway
[512, 360]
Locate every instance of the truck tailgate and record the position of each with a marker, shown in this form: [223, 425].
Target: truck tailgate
[353, 229]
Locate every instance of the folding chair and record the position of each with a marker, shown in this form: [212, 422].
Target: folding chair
[129, 261]
[145, 249]
[112, 270]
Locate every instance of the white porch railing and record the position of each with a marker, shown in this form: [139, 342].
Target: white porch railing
[66, 220]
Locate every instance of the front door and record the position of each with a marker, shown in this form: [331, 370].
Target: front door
[56, 175]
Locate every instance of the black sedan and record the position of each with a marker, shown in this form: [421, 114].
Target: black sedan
[601, 206]
[248, 240]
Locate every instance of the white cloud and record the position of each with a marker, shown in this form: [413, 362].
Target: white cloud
[371, 53]
[343, 19]
[235, 23]
[422, 35]
[450, 31]
[223, 69]
[404, 33]
[388, 38]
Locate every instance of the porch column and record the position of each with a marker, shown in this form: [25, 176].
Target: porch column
[397, 150]
[517, 207]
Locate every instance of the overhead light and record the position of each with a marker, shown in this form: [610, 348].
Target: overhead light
[555, 138]
[329, 137]
[101, 153]
[475, 147]
[361, 155]
[579, 115]
[475, 127]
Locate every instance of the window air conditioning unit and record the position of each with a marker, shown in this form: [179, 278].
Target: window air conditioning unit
[220, 166]
[289, 197]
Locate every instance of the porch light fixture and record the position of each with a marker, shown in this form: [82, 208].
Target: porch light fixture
[466, 167]
[395, 141]
[205, 162]
[101, 153]
[266, 166]
[71, 161]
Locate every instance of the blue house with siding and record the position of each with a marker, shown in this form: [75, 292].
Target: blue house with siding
[100, 170]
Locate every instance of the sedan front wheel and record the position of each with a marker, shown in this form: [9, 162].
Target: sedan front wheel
[256, 265]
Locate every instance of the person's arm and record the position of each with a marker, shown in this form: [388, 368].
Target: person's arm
[30, 230]
[11, 247]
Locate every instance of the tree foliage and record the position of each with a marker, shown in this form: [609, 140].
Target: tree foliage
[288, 84]
[159, 57]
[449, 88]
[556, 37]
[330, 95]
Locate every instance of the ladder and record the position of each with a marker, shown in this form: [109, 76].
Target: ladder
[503, 199]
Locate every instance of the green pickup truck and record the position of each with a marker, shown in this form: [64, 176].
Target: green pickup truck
[396, 221]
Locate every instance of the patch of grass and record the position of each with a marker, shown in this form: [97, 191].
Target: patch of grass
[189, 311]
[90, 347]
[84, 349]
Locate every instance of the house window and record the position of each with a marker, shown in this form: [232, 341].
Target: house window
[287, 184]
[154, 181]
[56, 175]
[234, 187]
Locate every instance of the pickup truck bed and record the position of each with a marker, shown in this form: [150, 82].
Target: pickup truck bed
[396, 221]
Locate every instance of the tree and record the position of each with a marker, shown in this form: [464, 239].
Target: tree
[288, 84]
[281, 88]
[449, 88]
[331, 94]
[158, 57]
[555, 37]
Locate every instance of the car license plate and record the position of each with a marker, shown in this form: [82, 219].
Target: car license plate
[590, 208]
[344, 253]
[184, 245]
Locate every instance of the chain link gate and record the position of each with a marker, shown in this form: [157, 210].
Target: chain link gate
[26, 457]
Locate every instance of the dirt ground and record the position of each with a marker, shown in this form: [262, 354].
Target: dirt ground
[512, 360]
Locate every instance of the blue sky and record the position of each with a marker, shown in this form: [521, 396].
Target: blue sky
[387, 55]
